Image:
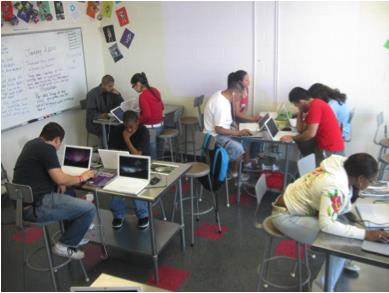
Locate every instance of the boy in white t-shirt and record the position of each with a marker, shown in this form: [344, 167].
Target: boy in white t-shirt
[219, 123]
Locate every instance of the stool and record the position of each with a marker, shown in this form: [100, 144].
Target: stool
[169, 135]
[384, 161]
[272, 232]
[191, 123]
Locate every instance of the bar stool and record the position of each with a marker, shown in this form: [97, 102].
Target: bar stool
[23, 194]
[272, 233]
[170, 135]
[384, 161]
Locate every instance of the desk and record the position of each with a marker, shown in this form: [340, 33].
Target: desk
[168, 109]
[128, 237]
[105, 280]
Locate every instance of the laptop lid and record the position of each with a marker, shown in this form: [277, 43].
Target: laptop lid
[109, 157]
[271, 127]
[118, 113]
[77, 157]
[132, 166]
[374, 215]
[263, 121]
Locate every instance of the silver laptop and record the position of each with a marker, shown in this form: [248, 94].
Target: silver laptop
[374, 215]
[376, 247]
[255, 127]
[133, 174]
[273, 131]
[106, 289]
[118, 113]
[76, 159]
[109, 158]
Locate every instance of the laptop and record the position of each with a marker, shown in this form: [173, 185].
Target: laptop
[376, 247]
[118, 113]
[273, 131]
[76, 159]
[374, 215]
[106, 289]
[109, 158]
[133, 174]
[256, 127]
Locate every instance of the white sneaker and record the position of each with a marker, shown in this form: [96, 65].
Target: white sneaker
[351, 266]
[67, 251]
[244, 177]
[83, 241]
[92, 226]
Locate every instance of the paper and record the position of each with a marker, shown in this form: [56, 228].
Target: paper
[7, 10]
[127, 38]
[387, 44]
[59, 13]
[109, 33]
[73, 11]
[92, 8]
[122, 16]
[106, 8]
[115, 53]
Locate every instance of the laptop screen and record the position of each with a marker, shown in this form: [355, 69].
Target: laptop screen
[134, 167]
[77, 157]
[118, 113]
[271, 125]
[263, 121]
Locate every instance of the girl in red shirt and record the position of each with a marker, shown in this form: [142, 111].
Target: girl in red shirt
[151, 109]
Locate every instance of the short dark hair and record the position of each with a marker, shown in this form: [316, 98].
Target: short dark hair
[51, 131]
[361, 164]
[130, 116]
[297, 94]
[235, 85]
[236, 76]
[107, 79]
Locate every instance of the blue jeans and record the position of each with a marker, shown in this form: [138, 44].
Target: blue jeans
[119, 208]
[304, 229]
[154, 133]
[234, 148]
[56, 207]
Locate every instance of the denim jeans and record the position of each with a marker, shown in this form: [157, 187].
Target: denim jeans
[119, 208]
[304, 229]
[56, 207]
[154, 133]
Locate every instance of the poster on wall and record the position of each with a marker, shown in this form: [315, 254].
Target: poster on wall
[106, 8]
[122, 16]
[127, 38]
[24, 10]
[115, 53]
[73, 11]
[7, 10]
[44, 10]
[59, 12]
[91, 9]
[109, 33]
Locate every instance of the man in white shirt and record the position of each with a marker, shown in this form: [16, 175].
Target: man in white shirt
[219, 123]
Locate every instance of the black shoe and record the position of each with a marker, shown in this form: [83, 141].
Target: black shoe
[117, 223]
[143, 223]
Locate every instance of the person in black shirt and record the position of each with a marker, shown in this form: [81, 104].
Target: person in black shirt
[100, 101]
[38, 167]
[133, 137]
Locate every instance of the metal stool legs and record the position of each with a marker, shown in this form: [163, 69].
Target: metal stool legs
[50, 258]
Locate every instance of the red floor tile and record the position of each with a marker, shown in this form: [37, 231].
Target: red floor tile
[288, 248]
[210, 232]
[169, 278]
[31, 235]
[244, 198]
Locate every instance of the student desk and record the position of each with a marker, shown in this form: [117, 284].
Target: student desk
[147, 242]
[347, 248]
[105, 280]
[168, 109]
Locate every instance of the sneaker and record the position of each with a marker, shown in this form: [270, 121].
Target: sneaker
[83, 241]
[143, 223]
[92, 226]
[117, 223]
[67, 251]
[351, 266]
[244, 177]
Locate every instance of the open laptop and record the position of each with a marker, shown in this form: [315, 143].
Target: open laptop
[255, 127]
[133, 174]
[76, 159]
[374, 215]
[109, 158]
[376, 247]
[274, 132]
[118, 113]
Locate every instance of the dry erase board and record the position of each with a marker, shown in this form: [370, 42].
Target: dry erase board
[42, 73]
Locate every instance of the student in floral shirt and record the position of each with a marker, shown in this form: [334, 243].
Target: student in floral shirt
[313, 203]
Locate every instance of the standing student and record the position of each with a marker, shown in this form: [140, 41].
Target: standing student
[337, 102]
[133, 137]
[240, 105]
[314, 202]
[100, 101]
[151, 109]
[38, 167]
[319, 123]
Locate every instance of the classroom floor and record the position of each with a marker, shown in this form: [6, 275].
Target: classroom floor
[227, 264]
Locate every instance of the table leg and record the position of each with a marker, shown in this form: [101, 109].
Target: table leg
[100, 226]
[181, 214]
[104, 136]
[191, 212]
[153, 241]
[239, 183]
[327, 274]
[286, 165]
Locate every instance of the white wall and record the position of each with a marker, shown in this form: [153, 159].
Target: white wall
[73, 121]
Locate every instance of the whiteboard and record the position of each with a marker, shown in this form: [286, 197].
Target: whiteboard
[42, 73]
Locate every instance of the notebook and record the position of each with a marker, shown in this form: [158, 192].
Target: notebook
[273, 131]
[133, 174]
[76, 160]
[109, 158]
[374, 215]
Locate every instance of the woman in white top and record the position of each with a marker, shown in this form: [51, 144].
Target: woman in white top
[313, 203]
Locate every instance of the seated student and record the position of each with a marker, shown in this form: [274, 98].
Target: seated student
[314, 202]
[218, 122]
[38, 167]
[133, 137]
[337, 102]
[319, 123]
[100, 101]
[240, 105]
[151, 109]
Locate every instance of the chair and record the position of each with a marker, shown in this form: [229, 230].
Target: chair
[23, 194]
[192, 123]
[268, 257]
[306, 164]
[384, 142]
[384, 162]
[4, 181]
[260, 190]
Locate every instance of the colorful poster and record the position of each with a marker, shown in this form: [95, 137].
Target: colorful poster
[7, 10]
[387, 44]
[106, 8]
[109, 33]
[44, 10]
[59, 12]
[92, 9]
[24, 15]
[73, 11]
[115, 53]
[127, 38]
[122, 16]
